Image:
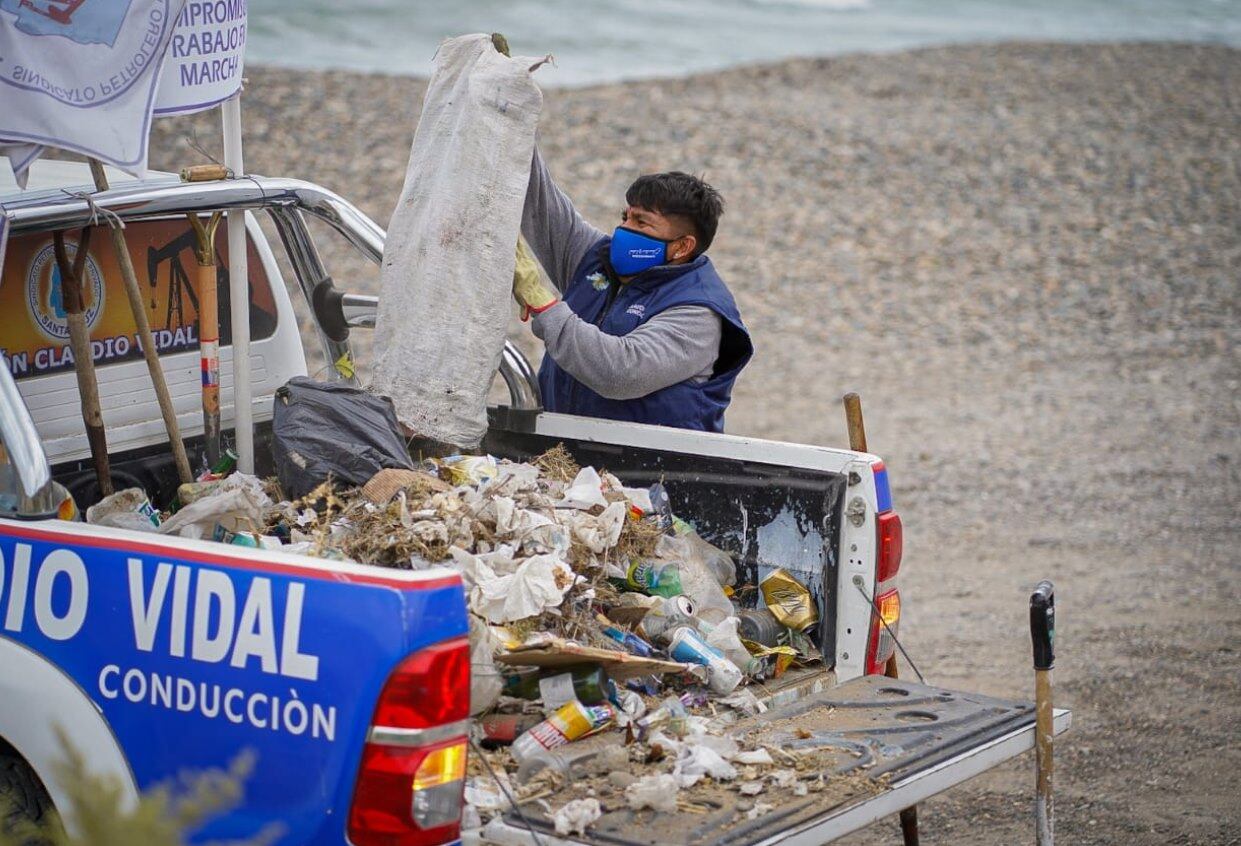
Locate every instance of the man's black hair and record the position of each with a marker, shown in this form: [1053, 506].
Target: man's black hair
[677, 193]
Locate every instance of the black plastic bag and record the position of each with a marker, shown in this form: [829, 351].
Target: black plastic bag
[322, 429]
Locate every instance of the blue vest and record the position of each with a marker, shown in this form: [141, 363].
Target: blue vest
[597, 296]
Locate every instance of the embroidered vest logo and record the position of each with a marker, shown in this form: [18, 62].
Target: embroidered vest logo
[637, 310]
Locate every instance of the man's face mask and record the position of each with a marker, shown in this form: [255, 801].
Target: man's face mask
[632, 252]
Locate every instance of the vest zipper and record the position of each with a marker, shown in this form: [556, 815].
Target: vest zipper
[613, 293]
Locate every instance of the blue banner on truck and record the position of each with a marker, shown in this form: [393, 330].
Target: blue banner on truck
[193, 652]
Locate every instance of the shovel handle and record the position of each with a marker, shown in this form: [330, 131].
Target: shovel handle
[1043, 625]
[1043, 635]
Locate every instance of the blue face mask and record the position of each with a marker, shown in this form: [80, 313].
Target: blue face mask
[632, 252]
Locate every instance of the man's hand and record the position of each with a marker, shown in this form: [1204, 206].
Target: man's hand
[528, 288]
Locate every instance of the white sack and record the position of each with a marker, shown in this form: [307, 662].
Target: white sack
[447, 276]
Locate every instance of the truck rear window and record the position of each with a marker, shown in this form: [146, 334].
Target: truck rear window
[34, 334]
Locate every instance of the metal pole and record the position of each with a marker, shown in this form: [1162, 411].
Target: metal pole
[143, 327]
[857, 443]
[1043, 635]
[208, 332]
[239, 293]
[74, 298]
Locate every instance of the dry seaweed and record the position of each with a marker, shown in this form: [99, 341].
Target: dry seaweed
[557, 464]
[638, 539]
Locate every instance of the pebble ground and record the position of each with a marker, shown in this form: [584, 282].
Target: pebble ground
[1027, 258]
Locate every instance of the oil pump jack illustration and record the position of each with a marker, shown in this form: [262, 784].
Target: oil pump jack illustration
[181, 288]
[179, 285]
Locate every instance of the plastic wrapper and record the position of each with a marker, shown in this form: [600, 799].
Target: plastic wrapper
[127, 509]
[718, 562]
[723, 636]
[657, 792]
[485, 680]
[538, 583]
[470, 469]
[754, 757]
[697, 581]
[236, 504]
[576, 816]
[585, 491]
[329, 429]
[600, 532]
[696, 761]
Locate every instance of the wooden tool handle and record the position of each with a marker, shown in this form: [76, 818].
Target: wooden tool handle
[853, 419]
[143, 327]
[74, 301]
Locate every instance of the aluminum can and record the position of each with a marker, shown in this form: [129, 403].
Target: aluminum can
[571, 721]
[688, 646]
[667, 614]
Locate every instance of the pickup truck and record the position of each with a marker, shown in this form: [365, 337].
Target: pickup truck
[154, 654]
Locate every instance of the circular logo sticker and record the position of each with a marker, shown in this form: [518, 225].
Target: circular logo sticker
[45, 296]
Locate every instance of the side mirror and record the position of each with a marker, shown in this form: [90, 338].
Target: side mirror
[26, 487]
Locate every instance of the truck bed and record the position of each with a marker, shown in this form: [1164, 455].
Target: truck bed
[881, 744]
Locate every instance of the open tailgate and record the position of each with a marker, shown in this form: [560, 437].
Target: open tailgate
[889, 744]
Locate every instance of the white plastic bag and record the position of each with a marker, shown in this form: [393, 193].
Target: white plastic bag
[539, 583]
[485, 680]
[447, 275]
[237, 504]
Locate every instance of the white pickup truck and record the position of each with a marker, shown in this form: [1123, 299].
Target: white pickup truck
[353, 694]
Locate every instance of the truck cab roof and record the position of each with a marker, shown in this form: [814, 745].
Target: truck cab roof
[49, 175]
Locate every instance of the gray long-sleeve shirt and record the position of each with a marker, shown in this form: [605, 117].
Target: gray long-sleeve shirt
[674, 345]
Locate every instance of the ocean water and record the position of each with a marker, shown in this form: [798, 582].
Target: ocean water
[595, 41]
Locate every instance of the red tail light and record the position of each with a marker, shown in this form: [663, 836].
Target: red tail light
[410, 785]
[429, 688]
[882, 642]
[891, 545]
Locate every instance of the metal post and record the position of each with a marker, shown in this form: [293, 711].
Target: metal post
[857, 443]
[208, 332]
[239, 294]
[1043, 635]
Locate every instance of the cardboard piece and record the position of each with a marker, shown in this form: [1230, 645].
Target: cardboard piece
[385, 484]
[554, 653]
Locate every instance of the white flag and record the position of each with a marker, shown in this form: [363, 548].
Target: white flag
[4, 235]
[81, 75]
[205, 57]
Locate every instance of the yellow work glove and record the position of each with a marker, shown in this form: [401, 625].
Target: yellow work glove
[528, 288]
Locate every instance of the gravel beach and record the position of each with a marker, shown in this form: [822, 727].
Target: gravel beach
[1027, 259]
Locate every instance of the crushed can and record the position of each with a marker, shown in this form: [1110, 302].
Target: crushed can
[503, 729]
[688, 646]
[570, 722]
[667, 614]
[788, 600]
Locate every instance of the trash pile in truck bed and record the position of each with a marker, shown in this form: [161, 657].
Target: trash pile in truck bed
[604, 642]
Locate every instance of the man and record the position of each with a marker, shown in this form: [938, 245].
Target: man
[646, 330]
